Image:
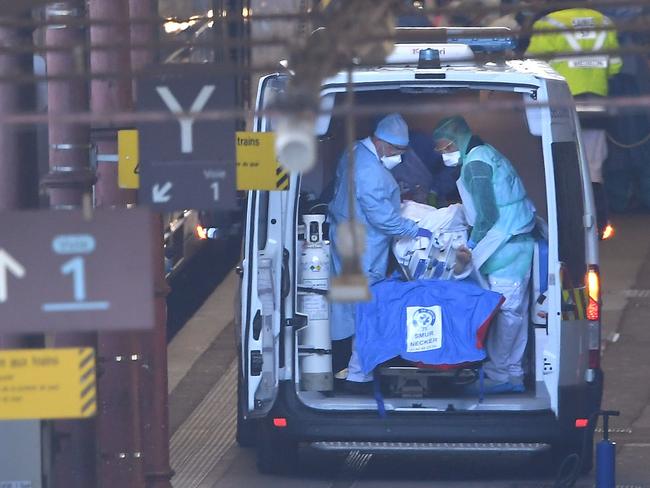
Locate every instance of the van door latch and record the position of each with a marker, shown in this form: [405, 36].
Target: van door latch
[257, 325]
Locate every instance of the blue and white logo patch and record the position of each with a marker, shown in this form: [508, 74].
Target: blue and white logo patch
[423, 328]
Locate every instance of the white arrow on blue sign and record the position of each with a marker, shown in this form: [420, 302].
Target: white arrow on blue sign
[8, 265]
[161, 194]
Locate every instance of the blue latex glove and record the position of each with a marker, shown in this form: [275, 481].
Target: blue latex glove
[424, 233]
[471, 244]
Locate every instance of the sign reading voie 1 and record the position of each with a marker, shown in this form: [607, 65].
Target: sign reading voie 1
[61, 272]
[187, 162]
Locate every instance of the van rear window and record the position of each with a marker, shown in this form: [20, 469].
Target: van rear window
[570, 210]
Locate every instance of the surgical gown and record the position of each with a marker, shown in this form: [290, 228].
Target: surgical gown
[377, 208]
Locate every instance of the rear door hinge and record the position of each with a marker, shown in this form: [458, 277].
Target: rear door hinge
[257, 362]
[298, 321]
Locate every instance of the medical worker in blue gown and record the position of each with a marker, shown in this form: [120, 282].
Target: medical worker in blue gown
[377, 207]
[502, 217]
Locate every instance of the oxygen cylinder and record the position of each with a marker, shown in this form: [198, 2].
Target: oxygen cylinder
[314, 341]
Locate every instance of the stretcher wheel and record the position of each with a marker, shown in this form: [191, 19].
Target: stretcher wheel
[464, 377]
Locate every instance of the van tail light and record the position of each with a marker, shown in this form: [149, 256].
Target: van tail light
[593, 315]
[582, 423]
[593, 293]
[280, 422]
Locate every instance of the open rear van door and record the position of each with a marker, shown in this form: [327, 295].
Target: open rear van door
[565, 350]
[261, 284]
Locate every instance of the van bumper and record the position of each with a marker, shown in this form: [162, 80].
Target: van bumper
[309, 425]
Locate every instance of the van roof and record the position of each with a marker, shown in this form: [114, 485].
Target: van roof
[461, 53]
[518, 72]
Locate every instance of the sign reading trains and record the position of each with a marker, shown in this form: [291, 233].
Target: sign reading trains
[61, 271]
[47, 384]
[187, 160]
[257, 165]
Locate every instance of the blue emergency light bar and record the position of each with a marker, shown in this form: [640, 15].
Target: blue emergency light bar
[479, 39]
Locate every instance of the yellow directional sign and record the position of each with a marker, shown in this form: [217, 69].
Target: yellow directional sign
[47, 384]
[257, 165]
[128, 169]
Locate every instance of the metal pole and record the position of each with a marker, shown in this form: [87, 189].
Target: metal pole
[69, 179]
[18, 158]
[154, 398]
[120, 440]
[18, 165]
[20, 441]
[143, 34]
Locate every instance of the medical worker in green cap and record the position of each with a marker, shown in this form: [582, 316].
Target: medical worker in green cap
[502, 217]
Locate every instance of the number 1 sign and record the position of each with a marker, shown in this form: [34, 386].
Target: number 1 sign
[76, 274]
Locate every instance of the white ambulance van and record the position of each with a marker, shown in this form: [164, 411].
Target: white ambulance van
[538, 131]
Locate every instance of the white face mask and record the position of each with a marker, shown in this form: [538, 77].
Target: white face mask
[390, 162]
[451, 159]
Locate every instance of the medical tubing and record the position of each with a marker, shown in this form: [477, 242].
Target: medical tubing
[634, 145]
[379, 398]
[314, 207]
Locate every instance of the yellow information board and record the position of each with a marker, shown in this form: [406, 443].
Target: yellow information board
[257, 165]
[47, 384]
[128, 157]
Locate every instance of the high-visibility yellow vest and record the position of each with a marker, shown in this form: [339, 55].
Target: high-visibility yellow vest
[587, 72]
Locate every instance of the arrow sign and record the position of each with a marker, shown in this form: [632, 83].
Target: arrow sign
[161, 194]
[8, 265]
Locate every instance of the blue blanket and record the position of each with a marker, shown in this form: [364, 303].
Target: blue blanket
[429, 321]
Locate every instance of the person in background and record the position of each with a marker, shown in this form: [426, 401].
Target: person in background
[444, 174]
[587, 74]
[627, 173]
[502, 218]
[414, 178]
[377, 208]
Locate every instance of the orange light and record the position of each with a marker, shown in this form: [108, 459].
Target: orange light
[582, 423]
[593, 291]
[201, 232]
[593, 284]
[593, 310]
[609, 232]
[280, 422]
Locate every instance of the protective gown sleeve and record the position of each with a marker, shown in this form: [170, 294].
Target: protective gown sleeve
[375, 196]
[478, 178]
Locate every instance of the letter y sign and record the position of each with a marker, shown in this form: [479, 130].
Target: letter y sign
[186, 118]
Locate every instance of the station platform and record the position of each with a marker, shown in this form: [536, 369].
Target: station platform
[202, 389]
[203, 369]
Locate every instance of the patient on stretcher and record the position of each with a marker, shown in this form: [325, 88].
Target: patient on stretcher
[444, 256]
[440, 315]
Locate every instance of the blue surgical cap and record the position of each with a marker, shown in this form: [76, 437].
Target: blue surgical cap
[393, 130]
